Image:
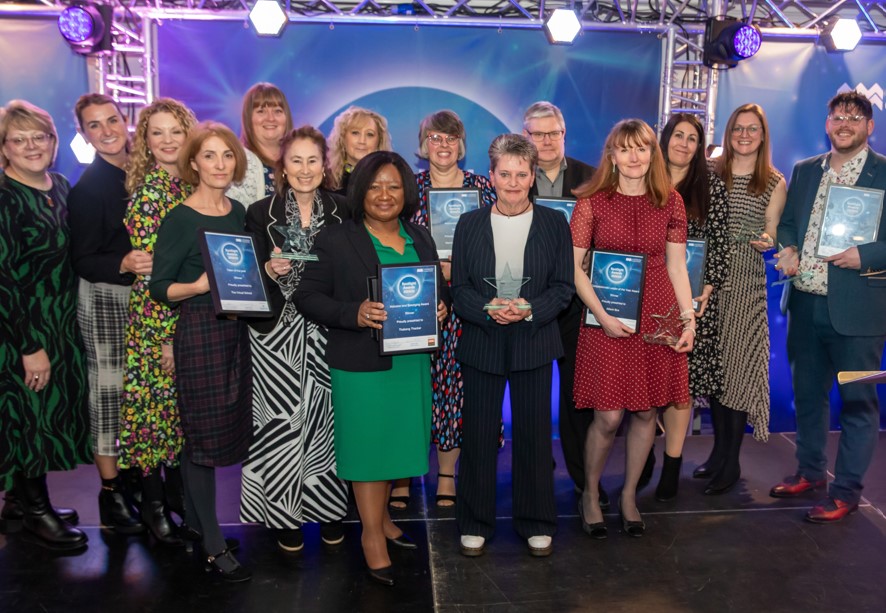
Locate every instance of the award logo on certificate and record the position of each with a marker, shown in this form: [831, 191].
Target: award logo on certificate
[507, 287]
[564, 205]
[617, 279]
[409, 293]
[445, 206]
[232, 267]
[696, 256]
[851, 217]
[297, 245]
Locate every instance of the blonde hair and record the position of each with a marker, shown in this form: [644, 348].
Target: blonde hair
[142, 160]
[22, 114]
[198, 135]
[258, 96]
[627, 132]
[762, 167]
[338, 156]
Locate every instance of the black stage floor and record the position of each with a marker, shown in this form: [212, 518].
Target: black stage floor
[742, 551]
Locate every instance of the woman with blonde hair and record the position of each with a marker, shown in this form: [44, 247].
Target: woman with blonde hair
[150, 425]
[356, 132]
[630, 206]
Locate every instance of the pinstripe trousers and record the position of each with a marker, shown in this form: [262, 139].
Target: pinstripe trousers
[533, 476]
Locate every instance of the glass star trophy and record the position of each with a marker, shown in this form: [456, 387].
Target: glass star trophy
[297, 245]
[747, 233]
[507, 287]
[670, 328]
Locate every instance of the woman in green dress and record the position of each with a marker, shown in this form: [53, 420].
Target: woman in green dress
[44, 421]
[381, 404]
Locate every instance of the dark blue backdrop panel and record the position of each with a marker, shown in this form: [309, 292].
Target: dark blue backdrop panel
[39, 66]
[793, 82]
[403, 72]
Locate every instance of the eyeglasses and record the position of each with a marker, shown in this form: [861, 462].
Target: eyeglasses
[540, 136]
[847, 118]
[41, 139]
[751, 130]
[437, 140]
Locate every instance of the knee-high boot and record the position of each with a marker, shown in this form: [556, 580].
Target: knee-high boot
[715, 460]
[730, 473]
[41, 521]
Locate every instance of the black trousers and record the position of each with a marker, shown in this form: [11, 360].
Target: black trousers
[573, 424]
[533, 478]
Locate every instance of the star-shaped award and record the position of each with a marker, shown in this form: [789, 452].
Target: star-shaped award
[507, 287]
[747, 233]
[670, 328]
[297, 245]
[803, 276]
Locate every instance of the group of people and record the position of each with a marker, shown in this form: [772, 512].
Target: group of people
[115, 354]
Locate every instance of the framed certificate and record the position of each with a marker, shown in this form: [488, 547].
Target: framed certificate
[445, 206]
[617, 279]
[409, 293]
[696, 257]
[564, 205]
[235, 280]
[851, 217]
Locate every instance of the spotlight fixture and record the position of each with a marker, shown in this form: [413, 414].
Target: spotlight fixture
[727, 41]
[87, 27]
[562, 26]
[268, 18]
[83, 151]
[841, 35]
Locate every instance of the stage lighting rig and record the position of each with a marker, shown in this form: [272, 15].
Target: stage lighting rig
[562, 26]
[728, 41]
[841, 35]
[268, 18]
[87, 27]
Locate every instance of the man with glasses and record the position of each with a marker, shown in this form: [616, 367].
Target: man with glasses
[837, 311]
[556, 176]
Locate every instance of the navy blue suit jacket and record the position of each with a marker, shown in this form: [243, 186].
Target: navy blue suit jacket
[856, 304]
[547, 261]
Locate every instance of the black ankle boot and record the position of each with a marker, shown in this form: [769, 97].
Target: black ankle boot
[115, 512]
[156, 518]
[715, 461]
[646, 475]
[40, 520]
[729, 475]
[13, 512]
[669, 480]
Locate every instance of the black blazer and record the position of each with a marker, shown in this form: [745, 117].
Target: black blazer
[261, 216]
[547, 261]
[856, 304]
[575, 174]
[332, 289]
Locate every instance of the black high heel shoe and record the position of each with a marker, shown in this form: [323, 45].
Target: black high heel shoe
[635, 529]
[237, 575]
[384, 576]
[596, 530]
[403, 541]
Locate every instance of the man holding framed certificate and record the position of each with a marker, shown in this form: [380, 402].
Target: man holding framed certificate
[836, 308]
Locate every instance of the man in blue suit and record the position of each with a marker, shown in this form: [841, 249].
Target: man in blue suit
[836, 313]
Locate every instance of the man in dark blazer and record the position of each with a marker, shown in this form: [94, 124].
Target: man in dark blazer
[837, 313]
[556, 176]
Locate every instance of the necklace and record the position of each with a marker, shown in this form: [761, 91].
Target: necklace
[500, 212]
[376, 232]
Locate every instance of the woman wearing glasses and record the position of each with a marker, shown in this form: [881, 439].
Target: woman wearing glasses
[757, 193]
[44, 420]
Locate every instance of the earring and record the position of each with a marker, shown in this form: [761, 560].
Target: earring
[614, 169]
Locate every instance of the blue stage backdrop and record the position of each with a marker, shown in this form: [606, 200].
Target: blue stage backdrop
[39, 66]
[793, 82]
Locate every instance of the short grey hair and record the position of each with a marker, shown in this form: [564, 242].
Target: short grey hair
[541, 109]
[516, 145]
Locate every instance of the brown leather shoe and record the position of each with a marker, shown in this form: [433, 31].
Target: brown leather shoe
[830, 510]
[794, 486]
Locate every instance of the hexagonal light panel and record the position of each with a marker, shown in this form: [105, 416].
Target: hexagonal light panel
[841, 35]
[268, 18]
[83, 151]
[562, 26]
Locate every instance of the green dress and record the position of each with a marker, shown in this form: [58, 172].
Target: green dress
[383, 418]
[47, 430]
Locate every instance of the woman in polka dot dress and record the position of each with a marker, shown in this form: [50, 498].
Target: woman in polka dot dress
[630, 206]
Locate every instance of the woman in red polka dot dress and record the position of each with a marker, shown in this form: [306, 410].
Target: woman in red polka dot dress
[630, 206]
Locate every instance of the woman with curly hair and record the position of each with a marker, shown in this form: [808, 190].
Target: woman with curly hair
[355, 133]
[150, 428]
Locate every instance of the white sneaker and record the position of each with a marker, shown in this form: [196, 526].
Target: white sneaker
[471, 545]
[540, 546]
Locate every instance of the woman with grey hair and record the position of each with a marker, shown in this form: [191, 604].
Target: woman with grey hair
[511, 275]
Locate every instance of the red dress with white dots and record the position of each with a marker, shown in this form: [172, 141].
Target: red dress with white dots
[629, 373]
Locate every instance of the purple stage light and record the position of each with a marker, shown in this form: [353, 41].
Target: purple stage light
[747, 41]
[76, 25]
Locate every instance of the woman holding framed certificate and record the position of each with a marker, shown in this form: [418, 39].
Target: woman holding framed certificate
[629, 207]
[212, 360]
[757, 194]
[381, 403]
[707, 219]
